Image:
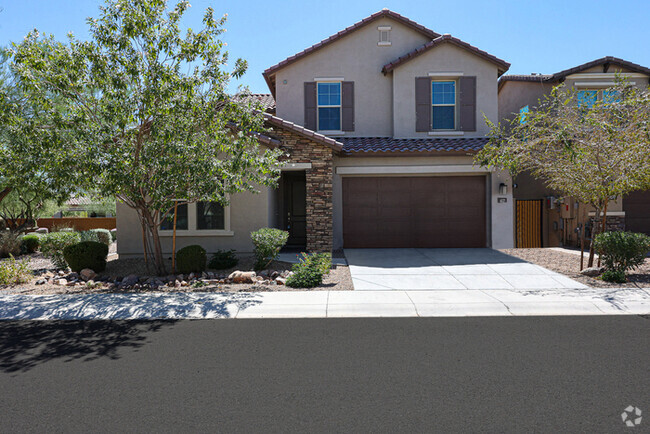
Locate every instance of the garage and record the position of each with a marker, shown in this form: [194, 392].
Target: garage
[430, 211]
[637, 211]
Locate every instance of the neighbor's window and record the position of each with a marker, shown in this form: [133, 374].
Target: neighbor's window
[611, 96]
[329, 106]
[522, 114]
[443, 101]
[209, 216]
[587, 98]
[181, 219]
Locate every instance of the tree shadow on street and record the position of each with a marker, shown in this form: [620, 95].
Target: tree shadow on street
[27, 344]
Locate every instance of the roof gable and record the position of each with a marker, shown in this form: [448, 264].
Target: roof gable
[384, 13]
[446, 39]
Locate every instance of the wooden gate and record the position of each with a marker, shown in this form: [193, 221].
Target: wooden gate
[529, 223]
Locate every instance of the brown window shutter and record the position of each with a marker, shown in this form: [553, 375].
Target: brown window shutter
[310, 105]
[422, 104]
[467, 99]
[347, 106]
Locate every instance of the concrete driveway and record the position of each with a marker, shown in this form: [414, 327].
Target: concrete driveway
[448, 269]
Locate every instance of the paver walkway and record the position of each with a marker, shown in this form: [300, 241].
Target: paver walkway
[448, 269]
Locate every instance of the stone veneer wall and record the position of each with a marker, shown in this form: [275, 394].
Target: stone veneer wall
[319, 186]
[614, 223]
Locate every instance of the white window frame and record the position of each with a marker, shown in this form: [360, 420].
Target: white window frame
[192, 225]
[339, 106]
[384, 30]
[455, 104]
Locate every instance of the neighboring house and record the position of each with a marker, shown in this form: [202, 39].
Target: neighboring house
[380, 122]
[540, 220]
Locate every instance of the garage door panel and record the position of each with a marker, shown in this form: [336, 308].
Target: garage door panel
[414, 212]
[637, 211]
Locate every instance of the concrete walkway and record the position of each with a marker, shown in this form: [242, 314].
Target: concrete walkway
[328, 304]
[448, 269]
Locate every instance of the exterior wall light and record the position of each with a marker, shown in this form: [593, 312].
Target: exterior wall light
[503, 189]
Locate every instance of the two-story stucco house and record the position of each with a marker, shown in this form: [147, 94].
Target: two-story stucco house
[380, 122]
[540, 220]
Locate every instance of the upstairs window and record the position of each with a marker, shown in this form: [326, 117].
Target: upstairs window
[329, 106]
[384, 35]
[443, 101]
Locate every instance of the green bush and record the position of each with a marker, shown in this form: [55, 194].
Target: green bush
[309, 272]
[267, 243]
[615, 276]
[86, 254]
[30, 243]
[113, 234]
[191, 259]
[52, 246]
[222, 259]
[97, 235]
[621, 251]
[9, 244]
[13, 272]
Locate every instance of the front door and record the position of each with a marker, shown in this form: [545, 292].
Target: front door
[295, 208]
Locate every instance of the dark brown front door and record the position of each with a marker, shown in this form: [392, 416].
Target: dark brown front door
[295, 210]
[637, 211]
[445, 211]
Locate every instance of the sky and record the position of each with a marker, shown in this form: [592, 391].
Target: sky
[534, 36]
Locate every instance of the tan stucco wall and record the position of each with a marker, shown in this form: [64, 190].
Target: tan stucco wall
[517, 94]
[444, 58]
[499, 218]
[248, 212]
[355, 57]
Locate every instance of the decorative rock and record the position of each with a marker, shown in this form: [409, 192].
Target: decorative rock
[61, 282]
[274, 274]
[130, 280]
[592, 271]
[280, 281]
[242, 276]
[40, 282]
[73, 283]
[177, 284]
[184, 283]
[41, 231]
[87, 274]
[61, 273]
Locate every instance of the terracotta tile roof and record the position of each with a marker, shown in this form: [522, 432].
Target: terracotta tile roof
[302, 131]
[360, 146]
[447, 38]
[381, 14]
[546, 78]
[266, 100]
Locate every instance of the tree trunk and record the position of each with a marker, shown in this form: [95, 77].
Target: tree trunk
[152, 227]
[603, 225]
[4, 193]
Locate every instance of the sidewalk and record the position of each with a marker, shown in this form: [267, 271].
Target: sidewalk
[328, 304]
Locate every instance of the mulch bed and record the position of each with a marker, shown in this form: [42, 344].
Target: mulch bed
[338, 279]
[569, 265]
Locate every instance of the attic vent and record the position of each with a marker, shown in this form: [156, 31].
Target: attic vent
[384, 35]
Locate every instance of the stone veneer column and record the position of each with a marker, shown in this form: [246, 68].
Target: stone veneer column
[319, 187]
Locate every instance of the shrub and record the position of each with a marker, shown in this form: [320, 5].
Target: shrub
[191, 259]
[86, 254]
[615, 276]
[30, 243]
[267, 243]
[308, 273]
[9, 244]
[13, 272]
[622, 251]
[97, 235]
[62, 227]
[52, 246]
[113, 234]
[222, 259]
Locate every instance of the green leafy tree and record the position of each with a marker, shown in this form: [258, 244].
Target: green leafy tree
[594, 152]
[39, 165]
[152, 104]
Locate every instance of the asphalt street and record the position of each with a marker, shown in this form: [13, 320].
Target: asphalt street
[526, 374]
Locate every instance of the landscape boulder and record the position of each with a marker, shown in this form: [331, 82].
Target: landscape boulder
[242, 276]
[87, 274]
[592, 271]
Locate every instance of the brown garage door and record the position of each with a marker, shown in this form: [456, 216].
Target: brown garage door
[637, 211]
[444, 211]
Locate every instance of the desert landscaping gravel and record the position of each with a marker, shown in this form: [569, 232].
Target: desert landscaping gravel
[569, 265]
[338, 278]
